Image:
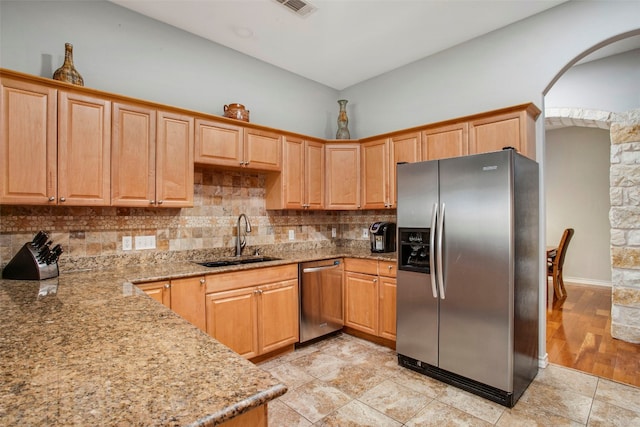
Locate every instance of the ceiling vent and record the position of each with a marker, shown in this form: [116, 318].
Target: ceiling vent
[299, 7]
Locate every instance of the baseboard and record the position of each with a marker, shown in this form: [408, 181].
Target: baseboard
[543, 361]
[583, 281]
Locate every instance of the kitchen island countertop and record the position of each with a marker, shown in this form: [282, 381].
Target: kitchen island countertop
[89, 348]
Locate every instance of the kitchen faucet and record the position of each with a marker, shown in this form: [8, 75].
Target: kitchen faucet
[241, 240]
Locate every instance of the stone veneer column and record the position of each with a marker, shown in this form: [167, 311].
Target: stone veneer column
[625, 226]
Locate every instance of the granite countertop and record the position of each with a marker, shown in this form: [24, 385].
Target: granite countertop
[89, 348]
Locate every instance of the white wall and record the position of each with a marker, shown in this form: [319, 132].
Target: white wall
[120, 51]
[507, 67]
[577, 196]
[609, 84]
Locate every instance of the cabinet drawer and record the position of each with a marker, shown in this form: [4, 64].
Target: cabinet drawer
[357, 265]
[387, 268]
[245, 278]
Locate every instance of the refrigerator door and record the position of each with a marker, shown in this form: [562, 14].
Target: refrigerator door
[476, 309]
[417, 308]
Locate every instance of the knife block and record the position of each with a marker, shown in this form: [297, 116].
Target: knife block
[25, 266]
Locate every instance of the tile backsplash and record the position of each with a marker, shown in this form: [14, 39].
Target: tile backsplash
[219, 197]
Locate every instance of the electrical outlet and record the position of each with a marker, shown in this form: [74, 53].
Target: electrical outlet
[292, 235]
[334, 233]
[127, 243]
[365, 233]
[145, 242]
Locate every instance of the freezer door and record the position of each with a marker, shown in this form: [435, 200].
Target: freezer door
[417, 318]
[476, 310]
[417, 308]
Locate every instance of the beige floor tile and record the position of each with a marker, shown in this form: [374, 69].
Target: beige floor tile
[622, 395]
[471, 404]
[280, 415]
[357, 414]
[437, 414]
[315, 400]
[607, 415]
[354, 380]
[292, 376]
[394, 400]
[319, 364]
[525, 415]
[568, 379]
[420, 383]
[556, 401]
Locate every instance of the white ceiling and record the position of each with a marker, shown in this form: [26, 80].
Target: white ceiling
[343, 42]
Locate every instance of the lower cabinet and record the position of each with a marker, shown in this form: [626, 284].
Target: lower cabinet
[370, 297]
[184, 296]
[254, 312]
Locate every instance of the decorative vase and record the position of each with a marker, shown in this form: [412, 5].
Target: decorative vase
[343, 121]
[68, 73]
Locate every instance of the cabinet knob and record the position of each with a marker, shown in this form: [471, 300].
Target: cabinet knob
[167, 285]
[62, 199]
[160, 202]
[52, 199]
[151, 202]
[375, 280]
[390, 267]
[202, 281]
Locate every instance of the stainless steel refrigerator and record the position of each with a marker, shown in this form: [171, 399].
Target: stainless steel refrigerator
[467, 295]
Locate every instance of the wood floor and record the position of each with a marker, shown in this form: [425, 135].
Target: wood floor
[579, 335]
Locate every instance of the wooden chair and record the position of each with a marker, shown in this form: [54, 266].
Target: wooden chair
[555, 263]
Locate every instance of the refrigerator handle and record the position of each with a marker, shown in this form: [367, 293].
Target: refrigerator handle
[432, 249]
[439, 254]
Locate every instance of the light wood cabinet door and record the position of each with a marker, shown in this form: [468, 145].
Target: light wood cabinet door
[387, 305]
[159, 291]
[28, 143]
[375, 174]
[262, 150]
[293, 173]
[188, 300]
[174, 160]
[314, 169]
[219, 143]
[277, 315]
[84, 150]
[133, 154]
[446, 141]
[342, 176]
[232, 319]
[361, 302]
[404, 148]
[514, 129]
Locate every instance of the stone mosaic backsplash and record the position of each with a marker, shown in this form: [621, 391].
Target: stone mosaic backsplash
[92, 236]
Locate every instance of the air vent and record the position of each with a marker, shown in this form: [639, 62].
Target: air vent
[299, 7]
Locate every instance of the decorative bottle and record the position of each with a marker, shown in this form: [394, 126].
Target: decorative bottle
[343, 121]
[68, 73]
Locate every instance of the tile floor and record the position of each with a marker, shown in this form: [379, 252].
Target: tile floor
[347, 381]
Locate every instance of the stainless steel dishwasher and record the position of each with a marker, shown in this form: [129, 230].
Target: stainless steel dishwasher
[320, 298]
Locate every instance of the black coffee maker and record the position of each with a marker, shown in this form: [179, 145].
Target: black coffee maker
[383, 236]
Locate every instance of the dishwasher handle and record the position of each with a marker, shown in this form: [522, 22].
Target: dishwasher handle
[322, 268]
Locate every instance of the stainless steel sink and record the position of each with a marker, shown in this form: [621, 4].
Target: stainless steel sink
[239, 261]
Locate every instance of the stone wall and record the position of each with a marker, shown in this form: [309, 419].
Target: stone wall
[625, 226]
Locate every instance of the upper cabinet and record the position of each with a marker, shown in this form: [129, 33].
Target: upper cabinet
[152, 157]
[445, 141]
[301, 183]
[342, 176]
[514, 128]
[55, 146]
[379, 159]
[228, 145]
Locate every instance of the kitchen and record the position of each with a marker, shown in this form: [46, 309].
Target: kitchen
[105, 226]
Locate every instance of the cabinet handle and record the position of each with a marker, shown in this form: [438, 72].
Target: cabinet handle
[160, 202]
[151, 202]
[202, 281]
[52, 199]
[375, 280]
[62, 199]
[390, 267]
[167, 285]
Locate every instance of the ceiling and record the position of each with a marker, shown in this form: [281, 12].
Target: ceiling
[342, 42]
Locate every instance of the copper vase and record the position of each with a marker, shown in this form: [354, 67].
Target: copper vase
[68, 73]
